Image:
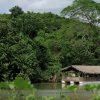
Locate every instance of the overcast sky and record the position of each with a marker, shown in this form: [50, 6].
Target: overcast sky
[54, 6]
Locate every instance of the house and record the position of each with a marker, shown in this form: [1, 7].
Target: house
[80, 73]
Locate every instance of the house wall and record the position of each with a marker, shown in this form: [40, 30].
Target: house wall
[79, 76]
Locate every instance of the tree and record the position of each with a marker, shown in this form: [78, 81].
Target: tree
[42, 56]
[15, 11]
[84, 10]
[3, 28]
[17, 56]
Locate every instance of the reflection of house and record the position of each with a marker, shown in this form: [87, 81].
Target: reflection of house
[80, 73]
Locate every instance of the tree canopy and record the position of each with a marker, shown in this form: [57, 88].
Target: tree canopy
[37, 46]
[15, 11]
[85, 10]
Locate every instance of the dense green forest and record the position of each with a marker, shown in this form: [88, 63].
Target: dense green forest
[37, 46]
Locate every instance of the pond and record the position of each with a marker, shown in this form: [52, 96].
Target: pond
[51, 90]
[58, 89]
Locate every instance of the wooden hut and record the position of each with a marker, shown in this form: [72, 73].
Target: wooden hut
[80, 73]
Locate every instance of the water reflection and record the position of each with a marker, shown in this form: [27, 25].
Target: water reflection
[51, 89]
[48, 86]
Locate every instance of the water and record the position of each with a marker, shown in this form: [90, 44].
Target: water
[57, 89]
[49, 90]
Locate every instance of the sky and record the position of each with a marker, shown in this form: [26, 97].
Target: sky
[54, 6]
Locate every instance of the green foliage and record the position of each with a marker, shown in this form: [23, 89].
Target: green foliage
[31, 97]
[72, 88]
[90, 87]
[54, 98]
[36, 46]
[3, 27]
[17, 56]
[15, 11]
[93, 88]
[18, 84]
[18, 89]
[97, 98]
[4, 85]
[21, 83]
[86, 10]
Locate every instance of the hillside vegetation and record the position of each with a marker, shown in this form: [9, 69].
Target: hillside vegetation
[37, 46]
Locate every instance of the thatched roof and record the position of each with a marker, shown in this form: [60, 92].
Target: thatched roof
[84, 68]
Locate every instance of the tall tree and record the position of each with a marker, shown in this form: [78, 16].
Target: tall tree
[15, 11]
[84, 10]
[17, 56]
